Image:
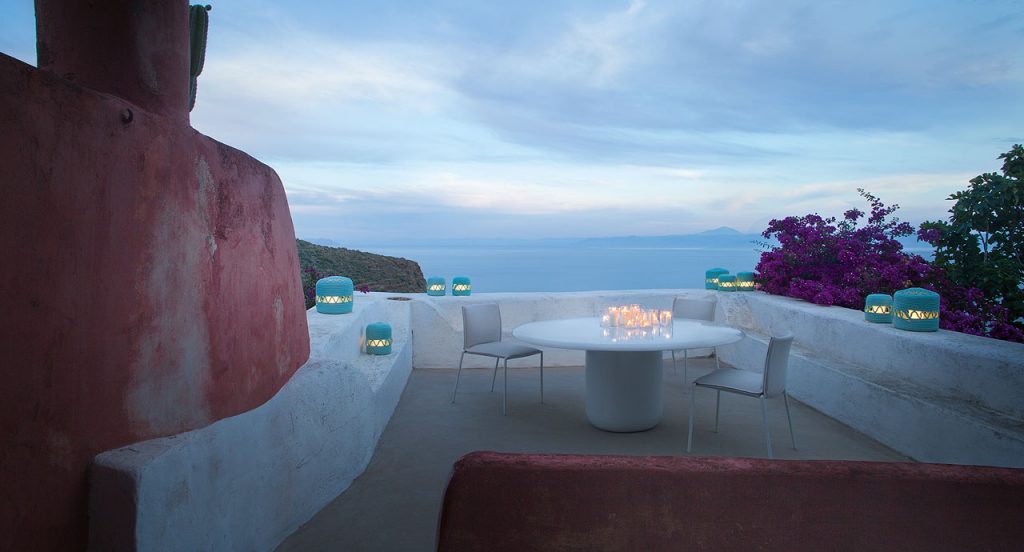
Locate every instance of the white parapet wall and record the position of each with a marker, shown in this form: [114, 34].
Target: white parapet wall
[941, 396]
[246, 482]
[437, 321]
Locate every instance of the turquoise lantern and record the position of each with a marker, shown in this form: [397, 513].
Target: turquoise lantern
[744, 281]
[727, 282]
[378, 339]
[461, 286]
[436, 286]
[711, 277]
[878, 308]
[915, 309]
[334, 295]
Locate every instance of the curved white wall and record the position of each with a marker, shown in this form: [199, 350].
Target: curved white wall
[247, 482]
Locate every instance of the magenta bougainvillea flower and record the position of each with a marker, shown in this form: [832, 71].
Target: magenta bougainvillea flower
[839, 262]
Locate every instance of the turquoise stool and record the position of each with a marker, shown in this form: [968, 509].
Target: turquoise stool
[744, 281]
[916, 310]
[878, 308]
[334, 295]
[726, 282]
[711, 277]
[378, 338]
[436, 286]
[461, 286]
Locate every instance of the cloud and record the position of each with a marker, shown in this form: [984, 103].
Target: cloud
[548, 189]
[588, 118]
[309, 73]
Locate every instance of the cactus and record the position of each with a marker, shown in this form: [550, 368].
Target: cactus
[198, 23]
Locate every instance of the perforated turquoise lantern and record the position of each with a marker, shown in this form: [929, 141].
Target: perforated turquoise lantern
[878, 308]
[711, 277]
[461, 286]
[334, 295]
[436, 286]
[915, 309]
[744, 281]
[378, 339]
[727, 282]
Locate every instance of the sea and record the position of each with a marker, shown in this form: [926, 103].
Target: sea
[570, 267]
[588, 264]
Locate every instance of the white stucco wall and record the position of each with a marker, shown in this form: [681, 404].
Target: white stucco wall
[438, 321]
[935, 396]
[246, 482]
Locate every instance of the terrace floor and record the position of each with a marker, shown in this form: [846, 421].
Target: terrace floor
[394, 504]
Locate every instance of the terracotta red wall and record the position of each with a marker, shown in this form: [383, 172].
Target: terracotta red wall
[149, 285]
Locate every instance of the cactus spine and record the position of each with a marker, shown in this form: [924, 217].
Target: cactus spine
[198, 23]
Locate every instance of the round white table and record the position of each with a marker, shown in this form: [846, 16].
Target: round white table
[624, 365]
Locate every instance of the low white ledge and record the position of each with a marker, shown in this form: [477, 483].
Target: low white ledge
[247, 482]
[942, 397]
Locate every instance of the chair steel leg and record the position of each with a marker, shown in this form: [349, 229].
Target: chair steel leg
[542, 378]
[792, 436]
[495, 376]
[718, 401]
[504, 393]
[717, 365]
[457, 375]
[686, 356]
[675, 369]
[689, 433]
[764, 420]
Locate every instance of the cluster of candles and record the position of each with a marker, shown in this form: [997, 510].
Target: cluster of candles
[626, 334]
[635, 316]
[635, 322]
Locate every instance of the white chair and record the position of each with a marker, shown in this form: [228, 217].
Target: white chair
[481, 326]
[693, 309]
[751, 384]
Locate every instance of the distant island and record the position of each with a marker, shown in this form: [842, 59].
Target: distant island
[723, 237]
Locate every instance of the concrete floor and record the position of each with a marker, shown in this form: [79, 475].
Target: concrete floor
[394, 504]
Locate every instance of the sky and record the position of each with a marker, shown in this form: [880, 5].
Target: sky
[418, 120]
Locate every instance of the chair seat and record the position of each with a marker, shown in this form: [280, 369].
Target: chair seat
[503, 349]
[741, 381]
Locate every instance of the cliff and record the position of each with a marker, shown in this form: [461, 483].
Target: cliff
[379, 272]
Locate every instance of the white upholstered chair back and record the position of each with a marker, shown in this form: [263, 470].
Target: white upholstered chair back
[694, 309]
[776, 364]
[481, 324]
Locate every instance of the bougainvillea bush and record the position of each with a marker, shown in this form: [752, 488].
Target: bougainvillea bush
[830, 261]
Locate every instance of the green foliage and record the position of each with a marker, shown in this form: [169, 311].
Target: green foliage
[198, 24]
[982, 243]
[368, 271]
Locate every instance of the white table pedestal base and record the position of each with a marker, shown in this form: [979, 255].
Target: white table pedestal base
[624, 390]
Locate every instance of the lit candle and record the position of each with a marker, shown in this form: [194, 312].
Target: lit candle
[920, 315]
